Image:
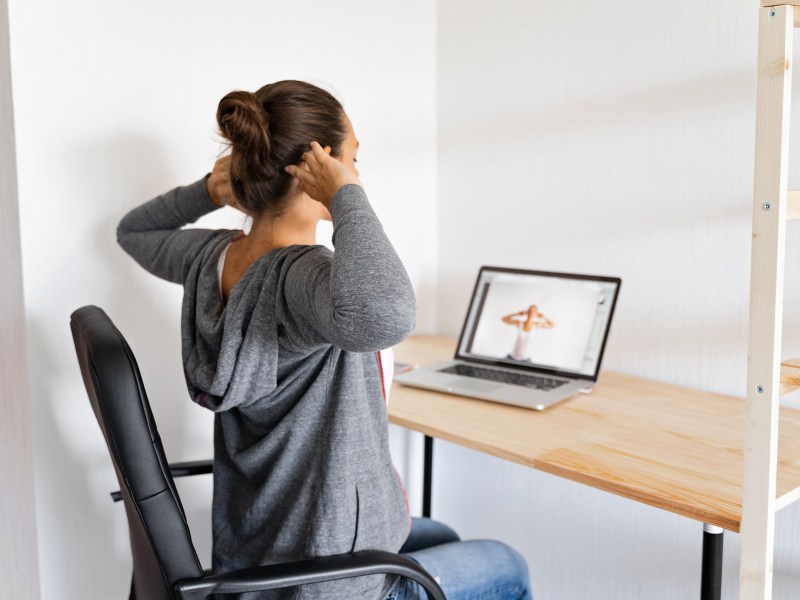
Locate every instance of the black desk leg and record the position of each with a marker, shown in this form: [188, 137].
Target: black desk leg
[427, 477]
[711, 579]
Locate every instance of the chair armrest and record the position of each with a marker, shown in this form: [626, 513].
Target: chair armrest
[316, 570]
[182, 469]
[194, 467]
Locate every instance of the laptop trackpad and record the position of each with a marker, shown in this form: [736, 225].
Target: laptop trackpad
[466, 385]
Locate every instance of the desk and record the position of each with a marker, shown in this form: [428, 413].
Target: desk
[671, 447]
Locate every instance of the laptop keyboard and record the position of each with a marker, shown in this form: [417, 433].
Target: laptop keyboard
[532, 381]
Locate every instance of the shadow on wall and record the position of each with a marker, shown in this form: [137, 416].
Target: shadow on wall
[86, 534]
[74, 477]
[635, 190]
[674, 104]
[147, 310]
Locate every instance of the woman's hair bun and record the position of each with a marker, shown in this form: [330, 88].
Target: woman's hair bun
[244, 122]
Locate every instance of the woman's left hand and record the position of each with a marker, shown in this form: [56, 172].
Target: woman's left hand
[219, 186]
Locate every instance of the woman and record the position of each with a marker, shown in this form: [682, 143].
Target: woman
[282, 339]
[525, 321]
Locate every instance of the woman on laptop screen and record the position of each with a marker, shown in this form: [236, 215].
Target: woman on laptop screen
[525, 321]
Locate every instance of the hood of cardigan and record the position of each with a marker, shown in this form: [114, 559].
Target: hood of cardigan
[231, 357]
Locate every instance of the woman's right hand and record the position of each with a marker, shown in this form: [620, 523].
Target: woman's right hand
[219, 186]
[321, 175]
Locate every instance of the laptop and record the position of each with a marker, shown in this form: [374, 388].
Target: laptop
[530, 338]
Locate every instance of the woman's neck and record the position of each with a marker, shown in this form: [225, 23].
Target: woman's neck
[292, 227]
[296, 225]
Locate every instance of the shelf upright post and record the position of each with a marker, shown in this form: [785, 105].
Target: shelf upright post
[776, 29]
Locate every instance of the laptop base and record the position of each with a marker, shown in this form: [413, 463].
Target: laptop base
[431, 378]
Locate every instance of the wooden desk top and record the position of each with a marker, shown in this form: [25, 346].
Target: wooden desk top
[671, 447]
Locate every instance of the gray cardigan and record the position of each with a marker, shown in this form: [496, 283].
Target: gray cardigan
[289, 365]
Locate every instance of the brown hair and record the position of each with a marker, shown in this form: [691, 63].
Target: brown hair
[270, 129]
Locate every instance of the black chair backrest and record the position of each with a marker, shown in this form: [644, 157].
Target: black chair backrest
[160, 540]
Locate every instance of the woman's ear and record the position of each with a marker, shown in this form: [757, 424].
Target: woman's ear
[294, 187]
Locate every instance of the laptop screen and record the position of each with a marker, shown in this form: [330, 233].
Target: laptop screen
[552, 322]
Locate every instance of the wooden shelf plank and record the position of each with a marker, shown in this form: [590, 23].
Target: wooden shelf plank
[793, 199]
[790, 376]
[787, 499]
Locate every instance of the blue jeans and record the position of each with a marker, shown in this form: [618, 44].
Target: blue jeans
[479, 569]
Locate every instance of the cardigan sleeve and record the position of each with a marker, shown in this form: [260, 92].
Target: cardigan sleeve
[152, 233]
[359, 298]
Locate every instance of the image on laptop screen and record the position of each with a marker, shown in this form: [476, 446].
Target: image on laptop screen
[543, 320]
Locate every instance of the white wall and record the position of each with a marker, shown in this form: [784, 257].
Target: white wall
[18, 555]
[115, 104]
[610, 138]
[589, 137]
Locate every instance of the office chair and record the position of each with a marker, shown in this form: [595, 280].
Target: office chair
[165, 563]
